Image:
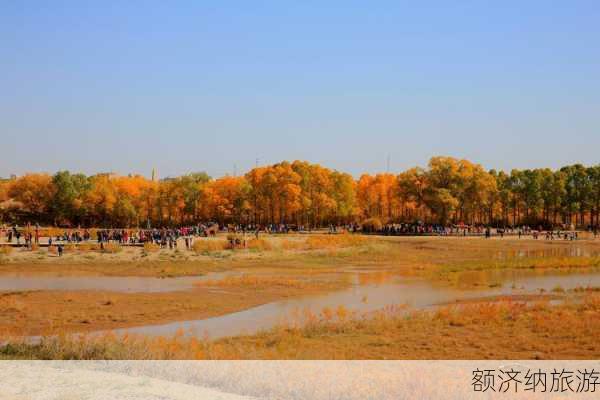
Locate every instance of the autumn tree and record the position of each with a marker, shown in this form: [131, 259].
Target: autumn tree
[594, 194]
[448, 191]
[411, 188]
[100, 199]
[441, 192]
[226, 200]
[34, 192]
[343, 190]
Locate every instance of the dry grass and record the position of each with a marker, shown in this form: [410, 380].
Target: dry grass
[208, 246]
[88, 247]
[76, 265]
[471, 331]
[6, 250]
[257, 282]
[457, 273]
[112, 248]
[51, 311]
[432, 257]
[151, 247]
[375, 278]
[70, 248]
[291, 244]
[317, 242]
[437, 258]
[109, 347]
[259, 244]
[499, 330]
[548, 262]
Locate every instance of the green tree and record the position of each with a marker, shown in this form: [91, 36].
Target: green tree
[594, 201]
[578, 190]
[67, 203]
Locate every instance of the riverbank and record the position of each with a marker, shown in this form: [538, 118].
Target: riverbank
[501, 329]
[91, 291]
[405, 255]
[47, 312]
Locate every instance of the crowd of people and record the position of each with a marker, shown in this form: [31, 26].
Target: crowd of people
[168, 237]
[164, 236]
[29, 236]
[415, 229]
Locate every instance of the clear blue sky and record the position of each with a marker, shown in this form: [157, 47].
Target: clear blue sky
[185, 86]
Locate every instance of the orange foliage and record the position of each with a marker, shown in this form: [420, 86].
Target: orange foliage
[309, 195]
[33, 191]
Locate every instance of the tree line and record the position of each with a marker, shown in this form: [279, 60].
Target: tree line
[447, 191]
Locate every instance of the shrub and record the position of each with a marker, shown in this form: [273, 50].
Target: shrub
[259, 244]
[558, 289]
[69, 247]
[86, 246]
[151, 247]
[53, 232]
[235, 241]
[6, 250]
[287, 244]
[112, 248]
[209, 245]
[334, 241]
[252, 281]
[372, 225]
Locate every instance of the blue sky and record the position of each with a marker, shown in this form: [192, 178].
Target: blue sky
[195, 85]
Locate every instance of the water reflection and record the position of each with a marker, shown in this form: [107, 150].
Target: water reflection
[362, 298]
[126, 284]
[550, 251]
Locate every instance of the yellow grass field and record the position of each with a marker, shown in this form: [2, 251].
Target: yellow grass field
[275, 268]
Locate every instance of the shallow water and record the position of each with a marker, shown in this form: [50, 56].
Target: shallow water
[361, 298]
[559, 249]
[124, 284]
[513, 281]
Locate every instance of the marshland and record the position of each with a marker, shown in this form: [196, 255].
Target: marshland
[306, 296]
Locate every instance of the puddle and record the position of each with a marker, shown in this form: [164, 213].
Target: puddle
[557, 250]
[126, 284]
[528, 280]
[526, 283]
[362, 298]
